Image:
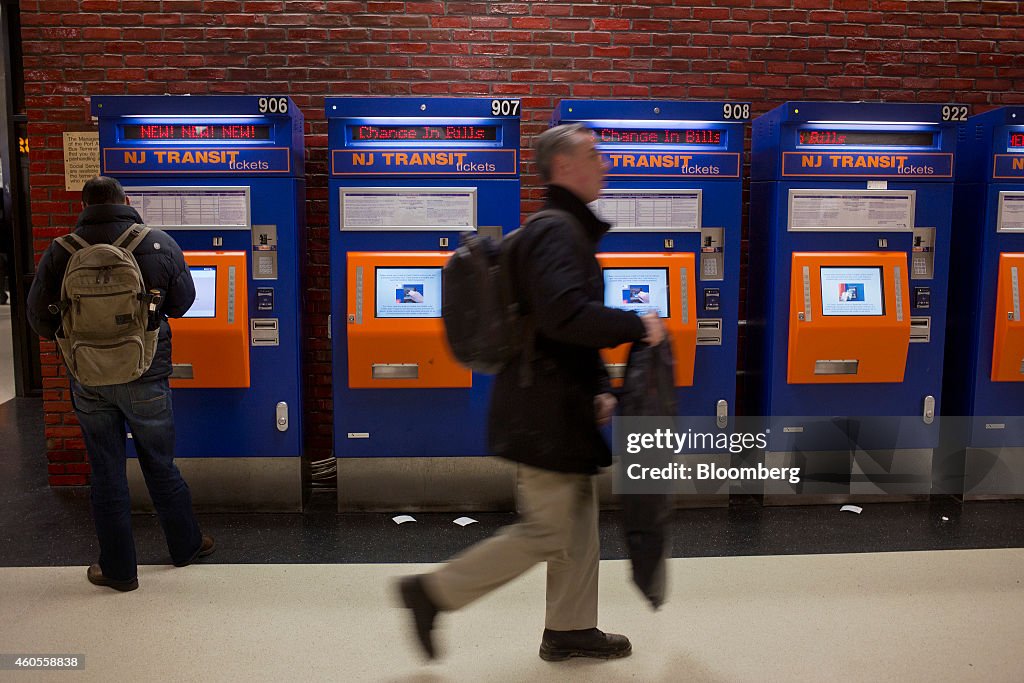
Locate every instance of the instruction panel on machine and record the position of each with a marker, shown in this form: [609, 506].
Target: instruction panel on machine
[875, 210]
[420, 208]
[647, 210]
[192, 208]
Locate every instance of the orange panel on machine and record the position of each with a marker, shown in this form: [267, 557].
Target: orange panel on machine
[681, 322]
[1008, 341]
[387, 347]
[214, 340]
[849, 318]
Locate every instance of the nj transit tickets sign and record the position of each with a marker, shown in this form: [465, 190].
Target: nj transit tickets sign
[1008, 166]
[171, 160]
[424, 162]
[672, 164]
[867, 165]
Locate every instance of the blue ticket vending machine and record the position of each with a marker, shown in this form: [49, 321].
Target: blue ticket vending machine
[224, 176]
[407, 176]
[850, 215]
[674, 194]
[985, 353]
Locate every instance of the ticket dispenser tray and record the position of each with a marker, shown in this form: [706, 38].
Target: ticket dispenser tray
[396, 337]
[662, 282]
[211, 342]
[1008, 342]
[849, 318]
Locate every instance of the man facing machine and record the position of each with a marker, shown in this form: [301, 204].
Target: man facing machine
[104, 397]
[548, 418]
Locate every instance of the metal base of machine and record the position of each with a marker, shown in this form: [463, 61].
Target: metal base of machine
[837, 477]
[231, 484]
[477, 484]
[994, 474]
[420, 484]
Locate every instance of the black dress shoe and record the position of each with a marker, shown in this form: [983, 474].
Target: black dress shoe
[207, 547]
[561, 645]
[95, 575]
[424, 611]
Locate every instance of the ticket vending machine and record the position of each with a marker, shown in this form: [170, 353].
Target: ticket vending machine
[407, 176]
[223, 175]
[674, 198]
[984, 381]
[850, 212]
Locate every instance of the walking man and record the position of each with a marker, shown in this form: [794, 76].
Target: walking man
[550, 425]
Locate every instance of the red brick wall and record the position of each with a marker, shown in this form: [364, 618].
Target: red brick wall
[762, 51]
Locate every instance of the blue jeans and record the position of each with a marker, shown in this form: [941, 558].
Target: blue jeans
[146, 407]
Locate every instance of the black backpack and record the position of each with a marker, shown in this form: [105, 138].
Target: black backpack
[485, 326]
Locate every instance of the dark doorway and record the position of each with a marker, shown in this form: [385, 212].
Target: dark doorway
[15, 216]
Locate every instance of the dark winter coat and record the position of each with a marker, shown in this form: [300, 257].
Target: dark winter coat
[160, 260]
[551, 423]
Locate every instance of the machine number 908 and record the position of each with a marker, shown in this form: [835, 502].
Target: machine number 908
[272, 105]
[954, 113]
[736, 111]
[504, 107]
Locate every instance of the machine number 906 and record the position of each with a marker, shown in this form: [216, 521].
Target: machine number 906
[736, 111]
[954, 113]
[504, 107]
[272, 105]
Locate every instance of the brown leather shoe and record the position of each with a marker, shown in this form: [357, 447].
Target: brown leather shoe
[557, 646]
[95, 576]
[205, 548]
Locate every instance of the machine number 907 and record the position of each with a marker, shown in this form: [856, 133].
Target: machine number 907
[736, 111]
[272, 105]
[504, 107]
[954, 113]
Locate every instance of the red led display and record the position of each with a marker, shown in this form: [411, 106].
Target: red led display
[873, 138]
[421, 133]
[1016, 139]
[195, 131]
[658, 136]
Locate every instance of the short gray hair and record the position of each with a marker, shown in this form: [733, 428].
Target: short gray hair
[555, 141]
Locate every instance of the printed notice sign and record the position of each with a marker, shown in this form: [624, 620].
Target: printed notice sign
[1011, 212]
[874, 210]
[418, 208]
[81, 159]
[650, 211]
[192, 208]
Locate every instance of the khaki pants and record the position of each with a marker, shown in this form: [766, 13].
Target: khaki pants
[558, 525]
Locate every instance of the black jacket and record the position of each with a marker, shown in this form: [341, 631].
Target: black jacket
[551, 423]
[160, 260]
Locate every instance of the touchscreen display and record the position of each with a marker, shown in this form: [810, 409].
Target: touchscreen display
[637, 289]
[852, 291]
[205, 305]
[408, 292]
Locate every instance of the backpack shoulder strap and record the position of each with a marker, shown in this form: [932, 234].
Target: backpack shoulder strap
[132, 237]
[72, 243]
